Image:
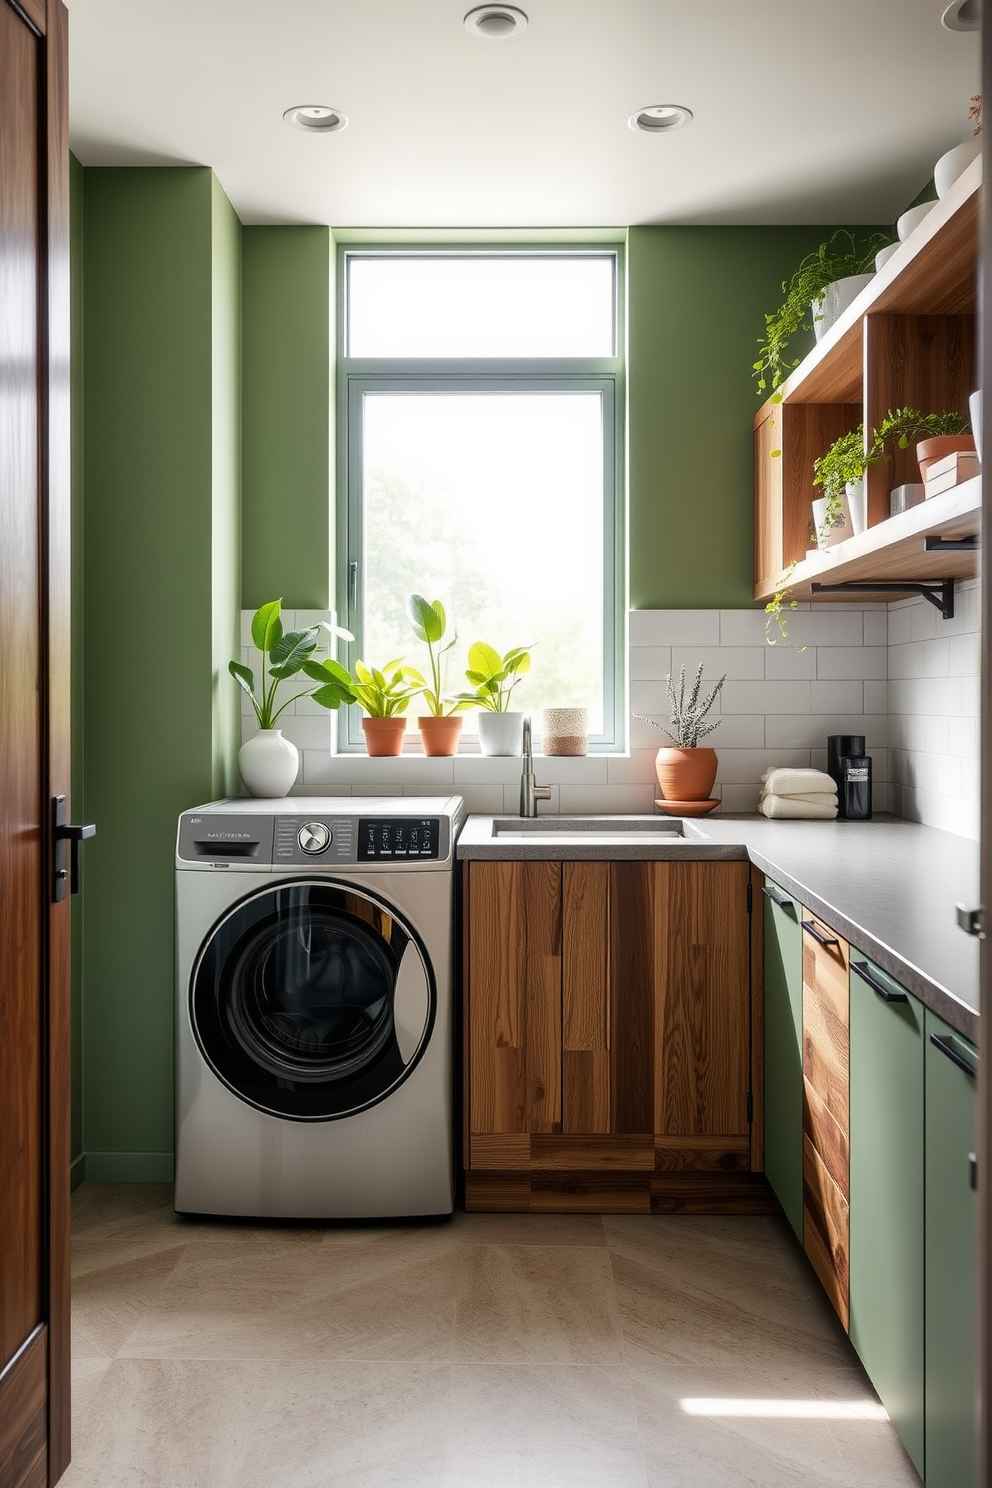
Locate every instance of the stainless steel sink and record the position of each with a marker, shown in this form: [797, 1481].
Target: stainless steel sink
[644, 830]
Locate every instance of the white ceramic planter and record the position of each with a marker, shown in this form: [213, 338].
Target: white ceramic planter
[828, 537]
[975, 410]
[910, 221]
[883, 255]
[835, 300]
[954, 163]
[500, 733]
[857, 504]
[268, 764]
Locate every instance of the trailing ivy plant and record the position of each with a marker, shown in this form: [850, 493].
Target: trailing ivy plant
[906, 426]
[844, 253]
[777, 612]
[846, 460]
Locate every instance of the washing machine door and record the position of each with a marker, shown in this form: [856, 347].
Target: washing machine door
[312, 1000]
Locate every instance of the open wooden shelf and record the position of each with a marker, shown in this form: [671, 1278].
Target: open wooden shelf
[908, 339]
[894, 549]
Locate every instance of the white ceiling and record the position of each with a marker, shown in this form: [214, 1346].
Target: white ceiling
[805, 110]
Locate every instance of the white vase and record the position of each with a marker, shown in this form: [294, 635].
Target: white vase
[911, 219]
[501, 733]
[954, 163]
[857, 504]
[835, 300]
[827, 537]
[268, 764]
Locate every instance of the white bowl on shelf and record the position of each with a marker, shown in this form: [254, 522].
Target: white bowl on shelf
[910, 221]
[954, 163]
[884, 254]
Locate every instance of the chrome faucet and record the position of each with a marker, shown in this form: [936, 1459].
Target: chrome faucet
[530, 793]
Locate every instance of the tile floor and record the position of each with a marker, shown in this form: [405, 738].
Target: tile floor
[511, 1351]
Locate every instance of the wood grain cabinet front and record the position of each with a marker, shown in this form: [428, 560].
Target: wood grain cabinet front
[610, 1038]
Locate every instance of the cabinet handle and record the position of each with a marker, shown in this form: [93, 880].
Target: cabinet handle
[880, 991]
[824, 940]
[955, 1055]
[776, 897]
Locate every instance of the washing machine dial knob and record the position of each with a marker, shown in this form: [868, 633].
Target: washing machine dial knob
[314, 837]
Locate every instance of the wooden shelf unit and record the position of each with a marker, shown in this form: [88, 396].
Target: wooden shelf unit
[907, 340]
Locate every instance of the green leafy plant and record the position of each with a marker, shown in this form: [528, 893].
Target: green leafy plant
[843, 254]
[288, 653]
[429, 623]
[380, 692]
[846, 460]
[686, 724]
[906, 426]
[494, 677]
[777, 612]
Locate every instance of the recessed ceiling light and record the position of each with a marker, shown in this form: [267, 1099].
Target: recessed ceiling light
[316, 118]
[495, 22]
[963, 15]
[660, 118]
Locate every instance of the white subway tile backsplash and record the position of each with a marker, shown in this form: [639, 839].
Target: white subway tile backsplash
[737, 662]
[947, 696]
[675, 627]
[582, 800]
[836, 697]
[962, 737]
[636, 768]
[744, 628]
[649, 662]
[923, 621]
[739, 731]
[876, 627]
[834, 662]
[765, 697]
[875, 697]
[827, 625]
[900, 623]
[936, 657]
[785, 663]
[649, 697]
[963, 656]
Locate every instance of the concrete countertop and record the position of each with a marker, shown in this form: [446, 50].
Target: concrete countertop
[889, 886]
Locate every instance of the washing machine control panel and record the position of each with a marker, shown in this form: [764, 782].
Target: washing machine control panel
[398, 838]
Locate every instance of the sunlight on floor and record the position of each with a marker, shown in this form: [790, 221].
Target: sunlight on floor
[807, 1410]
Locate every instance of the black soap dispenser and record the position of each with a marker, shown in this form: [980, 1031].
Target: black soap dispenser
[849, 766]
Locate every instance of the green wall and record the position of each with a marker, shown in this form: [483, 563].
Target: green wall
[161, 250]
[697, 297]
[288, 416]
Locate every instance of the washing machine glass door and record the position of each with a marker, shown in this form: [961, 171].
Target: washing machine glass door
[312, 1000]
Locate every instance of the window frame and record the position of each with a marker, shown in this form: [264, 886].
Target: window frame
[357, 376]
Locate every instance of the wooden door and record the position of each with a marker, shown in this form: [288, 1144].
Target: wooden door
[34, 711]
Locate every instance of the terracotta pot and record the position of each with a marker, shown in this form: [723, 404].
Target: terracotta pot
[686, 774]
[928, 451]
[440, 735]
[383, 735]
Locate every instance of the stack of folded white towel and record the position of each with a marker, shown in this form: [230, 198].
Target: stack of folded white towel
[808, 794]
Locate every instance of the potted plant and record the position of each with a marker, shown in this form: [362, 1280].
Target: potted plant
[934, 434]
[494, 677]
[840, 475]
[268, 762]
[842, 258]
[686, 771]
[441, 726]
[382, 693]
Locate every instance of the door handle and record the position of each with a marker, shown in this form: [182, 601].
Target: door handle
[878, 988]
[66, 833]
[955, 1055]
[776, 897]
[823, 940]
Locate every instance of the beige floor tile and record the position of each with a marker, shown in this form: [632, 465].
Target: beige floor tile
[530, 1229]
[165, 1424]
[110, 1300]
[536, 1304]
[111, 1221]
[535, 1426]
[353, 1425]
[283, 1301]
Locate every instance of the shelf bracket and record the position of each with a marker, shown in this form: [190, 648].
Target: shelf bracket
[941, 595]
[950, 544]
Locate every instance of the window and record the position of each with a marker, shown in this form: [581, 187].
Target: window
[480, 401]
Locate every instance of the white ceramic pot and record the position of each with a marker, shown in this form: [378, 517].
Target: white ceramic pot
[883, 255]
[835, 300]
[975, 410]
[857, 504]
[954, 163]
[268, 764]
[827, 537]
[910, 221]
[501, 733]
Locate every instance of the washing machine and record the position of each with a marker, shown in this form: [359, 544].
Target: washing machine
[314, 956]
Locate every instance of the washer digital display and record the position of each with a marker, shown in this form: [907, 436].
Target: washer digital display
[398, 838]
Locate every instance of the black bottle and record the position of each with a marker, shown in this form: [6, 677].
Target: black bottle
[854, 791]
[839, 745]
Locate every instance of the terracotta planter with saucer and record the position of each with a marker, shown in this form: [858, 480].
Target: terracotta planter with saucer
[686, 776]
[440, 735]
[929, 451]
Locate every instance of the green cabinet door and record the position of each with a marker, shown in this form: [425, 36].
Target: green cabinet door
[951, 1219]
[887, 1196]
[783, 975]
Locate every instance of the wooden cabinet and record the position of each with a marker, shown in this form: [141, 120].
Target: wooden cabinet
[783, 1063]
[951, 1066]
[887, 1196]
[826, 1117]
[908, 339]
[610, 1036]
